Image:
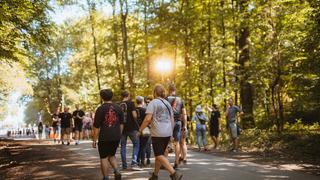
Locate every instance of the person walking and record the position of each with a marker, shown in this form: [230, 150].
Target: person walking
[55, 124]
[108, 126]
[200, 118]
[77, 116]
[146, 136]
[180, 119]
[232, 123]
[87, 126]
[159, 115]
[130, 130]
[66, 121]
[214, 124]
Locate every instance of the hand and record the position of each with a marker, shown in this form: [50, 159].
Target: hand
[94, 144]
[171, 139]
[138, 134]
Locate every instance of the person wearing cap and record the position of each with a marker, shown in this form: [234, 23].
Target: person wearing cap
[200, 118]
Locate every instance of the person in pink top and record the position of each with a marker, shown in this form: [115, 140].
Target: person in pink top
[87, 126]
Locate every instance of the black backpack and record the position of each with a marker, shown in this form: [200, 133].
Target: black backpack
[124, 108]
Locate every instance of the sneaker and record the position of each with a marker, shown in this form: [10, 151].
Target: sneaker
[184, 161]
[175, 166]
[234, 150]
[117, 176]
[176, 176]
[135, 167]
[153, 177]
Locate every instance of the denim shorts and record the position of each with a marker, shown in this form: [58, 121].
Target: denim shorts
[177, 131]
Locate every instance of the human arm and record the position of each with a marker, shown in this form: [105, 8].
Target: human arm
[147, 120]
[96, 128]
[184, 118]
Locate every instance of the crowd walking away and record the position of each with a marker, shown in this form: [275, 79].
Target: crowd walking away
[157, 124]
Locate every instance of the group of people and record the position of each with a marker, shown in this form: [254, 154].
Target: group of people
[201, 120]
[161, 122]
[158, 122]
[77, 125]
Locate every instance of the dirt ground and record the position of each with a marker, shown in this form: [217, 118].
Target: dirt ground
[42, 160]
[35, 159]
[275, 159]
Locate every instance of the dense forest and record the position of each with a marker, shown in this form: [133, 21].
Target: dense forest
[263, 53]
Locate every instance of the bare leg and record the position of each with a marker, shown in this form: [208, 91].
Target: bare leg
[184, 149]
[113, 163]
[104, 166]
[177, 152]
[157, 166]
[162, 160]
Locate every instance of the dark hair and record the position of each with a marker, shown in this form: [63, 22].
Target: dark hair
[159, 91]
[125, 94]
[106, 94]
[215, 106]
[172, 88]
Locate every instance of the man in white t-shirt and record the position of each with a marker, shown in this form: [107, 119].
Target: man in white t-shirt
[159, 115]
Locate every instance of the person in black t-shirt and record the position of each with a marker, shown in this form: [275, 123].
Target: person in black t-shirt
[108, 125]
[66, 120]
[144, 138]
[78, 115]
[214, 124]
[131, 128]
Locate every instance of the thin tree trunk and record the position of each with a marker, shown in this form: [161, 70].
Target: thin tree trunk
[234, 5]
[116, 45]
[223, 53]
[146, 41]
[124, 14]
[59, 90]
[95, 52]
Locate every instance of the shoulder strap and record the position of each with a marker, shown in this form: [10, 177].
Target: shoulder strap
[166, 106]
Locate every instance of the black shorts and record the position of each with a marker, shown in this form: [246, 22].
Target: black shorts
[107, 148]
[159, 145]
[78, 127]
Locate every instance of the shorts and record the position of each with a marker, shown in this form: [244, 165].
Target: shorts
[78, 127]
[159, 145]
[233, 130]
[177, 131]
[107, 148]
[65, 131]
[214, 130]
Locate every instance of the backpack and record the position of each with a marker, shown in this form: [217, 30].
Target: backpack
[124, 108]
[176, 111]
[202, 121]
[139, 117]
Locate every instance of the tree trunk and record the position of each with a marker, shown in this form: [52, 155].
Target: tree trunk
[119, 66]
[146, 41]
[124, 14]
[234, 5]
[223, 29]
[92, 10]
[59, 90]
[246, 91]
